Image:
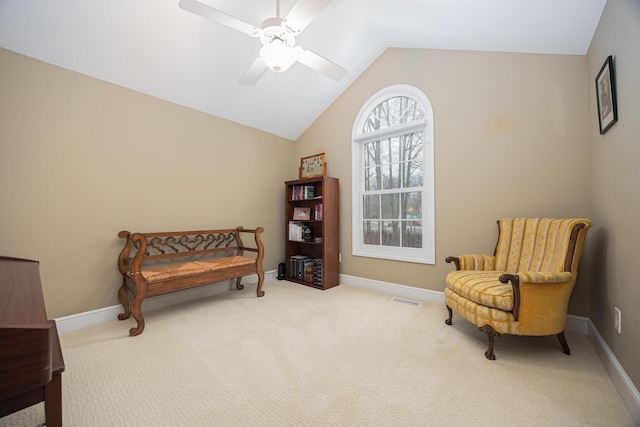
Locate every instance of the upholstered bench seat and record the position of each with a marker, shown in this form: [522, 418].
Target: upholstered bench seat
[174, 271]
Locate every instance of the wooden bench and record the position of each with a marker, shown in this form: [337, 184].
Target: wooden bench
[163, 262]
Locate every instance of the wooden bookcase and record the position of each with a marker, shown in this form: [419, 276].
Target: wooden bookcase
[312, 240]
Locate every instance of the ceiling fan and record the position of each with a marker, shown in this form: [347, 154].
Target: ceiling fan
[278, 37]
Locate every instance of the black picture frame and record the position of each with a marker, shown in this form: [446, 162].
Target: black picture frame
[606, 96]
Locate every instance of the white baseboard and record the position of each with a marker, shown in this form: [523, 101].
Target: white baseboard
[578, 324]
[408, 292]
[107, 314]
[621, 380]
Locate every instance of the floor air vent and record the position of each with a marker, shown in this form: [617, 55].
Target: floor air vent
[406, 301]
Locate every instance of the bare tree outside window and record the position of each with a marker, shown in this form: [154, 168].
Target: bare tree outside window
[393, 167]
[392, 177]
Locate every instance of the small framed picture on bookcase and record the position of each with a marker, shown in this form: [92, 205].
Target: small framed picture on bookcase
[312, 166]
[301, 214]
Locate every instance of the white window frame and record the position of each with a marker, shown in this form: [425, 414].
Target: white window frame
[426, 254]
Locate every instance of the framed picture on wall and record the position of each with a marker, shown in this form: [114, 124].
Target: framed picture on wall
[311, 166]
[606, 96]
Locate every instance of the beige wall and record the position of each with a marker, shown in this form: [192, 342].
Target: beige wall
[81, 159]
[515, 135]
[615, 190]
[510, 140]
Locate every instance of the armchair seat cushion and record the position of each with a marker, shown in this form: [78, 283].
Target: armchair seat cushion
[502, 321]
[482, 287]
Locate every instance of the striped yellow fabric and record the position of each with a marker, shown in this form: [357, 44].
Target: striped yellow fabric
[543, 277]
[477, 262]
[482, 287]
[502, 321]
[534, 244]
[534, 249]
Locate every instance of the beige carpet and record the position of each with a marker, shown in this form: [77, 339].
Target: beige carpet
[341, 357]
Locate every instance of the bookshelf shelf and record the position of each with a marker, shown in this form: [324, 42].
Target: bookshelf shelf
[308, 261]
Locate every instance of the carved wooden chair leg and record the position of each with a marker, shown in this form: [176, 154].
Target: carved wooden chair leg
[448, 321]
[491, 334]
[136, 310]
[238, 285]
[123, 297]
[563, 343]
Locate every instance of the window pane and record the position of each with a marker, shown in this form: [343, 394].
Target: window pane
[390, 206]
[391, 233]
[391, 176]
[371, 232]
[372, 153]
[371, 207]
[389, 150]
[412, 205]
[412, 234]
[393, 111]
[412, 155]
[372, 179]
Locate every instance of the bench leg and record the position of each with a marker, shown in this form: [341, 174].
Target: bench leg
[136, 310]
[238, 285]
[123, 297]
[259, 291]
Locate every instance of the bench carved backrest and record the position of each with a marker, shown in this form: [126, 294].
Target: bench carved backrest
[171, 244]
[540, 244]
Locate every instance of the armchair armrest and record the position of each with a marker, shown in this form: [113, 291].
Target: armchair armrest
[545, 277]
[546, 295]
[480, 262]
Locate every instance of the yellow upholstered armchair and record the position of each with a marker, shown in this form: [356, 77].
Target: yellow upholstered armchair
[524, 287]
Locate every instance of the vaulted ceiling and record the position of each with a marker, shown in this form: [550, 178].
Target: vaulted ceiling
[157, 48]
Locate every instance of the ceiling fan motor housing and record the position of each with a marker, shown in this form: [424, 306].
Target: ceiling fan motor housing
[274, 32]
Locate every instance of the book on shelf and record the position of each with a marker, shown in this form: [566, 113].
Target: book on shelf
[302, 192]
[317, 272]
[295, 231]
[304, 268]
[317, 212]
[308, 270]
[300, 232]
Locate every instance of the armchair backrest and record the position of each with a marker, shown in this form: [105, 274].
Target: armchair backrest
[540, 244]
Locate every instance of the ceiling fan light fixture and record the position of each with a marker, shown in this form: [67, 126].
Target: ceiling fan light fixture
[278, 57]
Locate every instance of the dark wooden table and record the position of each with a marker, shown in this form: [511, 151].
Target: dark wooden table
[31, 362]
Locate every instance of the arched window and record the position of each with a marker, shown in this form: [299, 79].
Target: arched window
[393, 177]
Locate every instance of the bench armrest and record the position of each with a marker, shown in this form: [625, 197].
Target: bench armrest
[259, 249]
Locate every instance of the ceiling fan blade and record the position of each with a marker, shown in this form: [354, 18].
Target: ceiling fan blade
[302, 13]
[320, 64]
[254, 72]
[219, 17]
